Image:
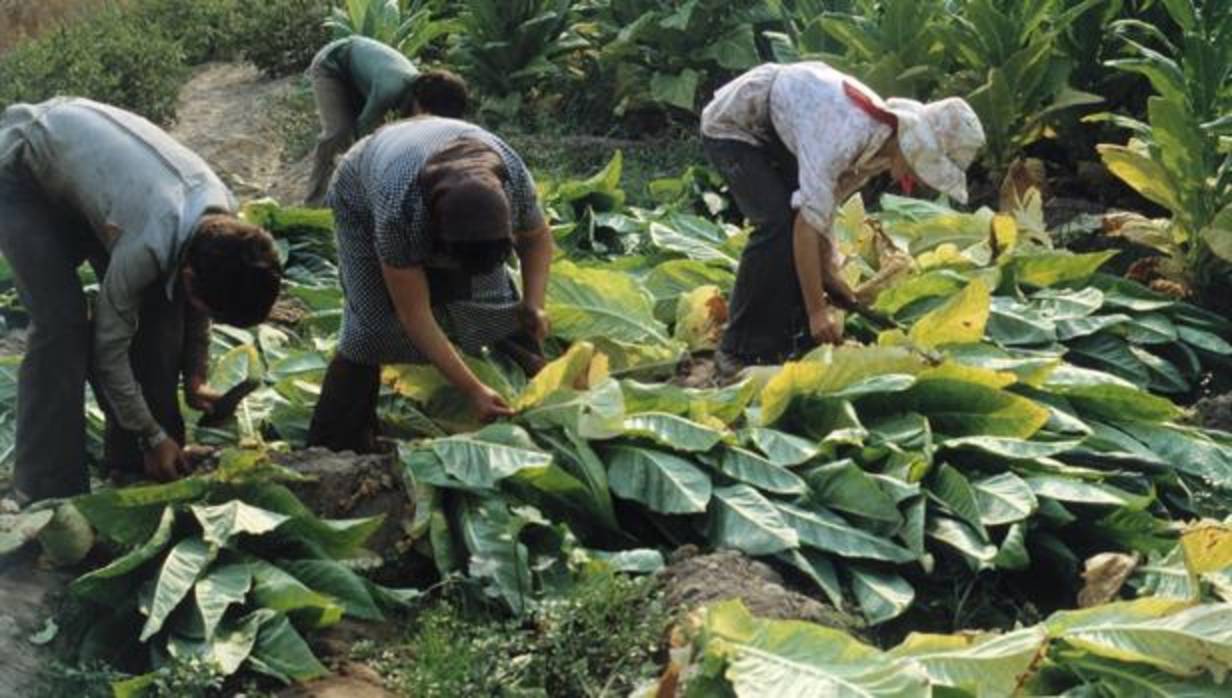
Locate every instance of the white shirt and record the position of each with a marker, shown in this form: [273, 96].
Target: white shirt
[142, 193]
[804, 104]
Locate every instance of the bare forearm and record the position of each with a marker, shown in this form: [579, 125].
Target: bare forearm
[807, 250]
[535, 254]
[412, 300]
[196, 350]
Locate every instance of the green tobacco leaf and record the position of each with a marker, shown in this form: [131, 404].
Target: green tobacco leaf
[750, 468]
[236, 366]
[1162, 633]
[930, 284]
[221, 523]
[831, 370]
[674, 432]
[275, 589]
[962, 408]
[1218, 235]
[672, 239]
[845, 486]
[597, 413]
[882, 596]
[1012, 449]
[179, 572]
[1004, 498]
[107, 584]
[1122, 679]
[330, 577]
[953, 488]
[1105, 396]
[960, 320]
[743, 519]
[787, 450]
[983, 666]
[219, 589]
[963, 538]
[589, 303]
[1045, 268]
[1187, 450]
[663, 482]
[281, 651]
[816, 566]
[790, 658]
[1065, 489]
[481, 460]
[340, 538]
[1013, 553]
[575, 455]
[1146, 176]
[129, 515]
[829, 532]
[491, 535]
[678, 90]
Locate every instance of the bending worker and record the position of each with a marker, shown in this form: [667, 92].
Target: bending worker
[793, 142]
[427, 212]
[357, 82]
[82, 181]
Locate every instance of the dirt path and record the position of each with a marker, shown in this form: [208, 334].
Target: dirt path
[226, 115]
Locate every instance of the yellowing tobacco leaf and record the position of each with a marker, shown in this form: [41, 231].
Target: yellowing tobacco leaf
[701, 315]
[961, 320]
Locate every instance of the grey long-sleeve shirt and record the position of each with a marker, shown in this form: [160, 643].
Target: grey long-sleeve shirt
[143, 194]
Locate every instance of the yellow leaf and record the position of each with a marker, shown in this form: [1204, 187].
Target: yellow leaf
[1207, 546]
[1146, 176]
[564, 372]
[1004, 233]
[600, 369]
[701, 315]
[961, 320]
[945, 255]
[969, 374]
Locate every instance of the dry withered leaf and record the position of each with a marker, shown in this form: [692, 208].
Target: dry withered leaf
[1105, 574]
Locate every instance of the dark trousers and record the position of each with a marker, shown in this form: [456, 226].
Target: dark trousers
[345, 416]
[768, 320]
[45, 244]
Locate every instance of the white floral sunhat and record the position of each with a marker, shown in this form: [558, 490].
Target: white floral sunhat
[939, 141]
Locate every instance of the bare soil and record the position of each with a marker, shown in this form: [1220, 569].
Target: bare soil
[692, 580]
[1214, 412]
[27, 599]
[226, 115]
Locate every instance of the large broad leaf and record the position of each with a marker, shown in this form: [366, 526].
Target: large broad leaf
[1004, 498]
[671, 239]
[1207, 547]
[129, 515]
[677, 433]
[588, 303]
[281, 651]
[1187, 450]
[845, 486]
[663, 482]
[928, 285]
[1044, 268]
[954, 489]
[1159, 632]
[569, 371]
[340, 538]
[882, 596]
[1102, 395]
[1011, 449]
[1065, 489]
[962, 408]
[983, 666]
[1123, 679]
[960, 320]
[597, 413]
[108, 585]
[575, 455]
[227, 648]
[827, 531]
[787, 450]
[339, 582]
[831, 370]
[963, 538]
[1218, 235]
[481, 460]
[1146, 176]
[742, 519]
[765, 475]
[220, 588]
[491, 535]
[816, 566]
[180, 570]
[790, 658]
[274, 588]
[221, 523]
[672, 279]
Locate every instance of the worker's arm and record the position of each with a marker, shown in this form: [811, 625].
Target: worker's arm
[807, 249]
[130, 273]
[534, 251]
[408, 287]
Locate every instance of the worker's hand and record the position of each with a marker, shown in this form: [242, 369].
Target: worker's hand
[199, 395]
[165, 461]
[841, 294]
[824, 326]
[488, 405]
[534, 321]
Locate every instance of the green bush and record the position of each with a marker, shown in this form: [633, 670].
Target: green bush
[205, 29]
[113, 58]
[281, 36]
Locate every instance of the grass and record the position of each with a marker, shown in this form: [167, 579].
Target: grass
[602, 639]
[294, 115]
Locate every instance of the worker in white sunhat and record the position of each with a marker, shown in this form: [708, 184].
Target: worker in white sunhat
[793, 142]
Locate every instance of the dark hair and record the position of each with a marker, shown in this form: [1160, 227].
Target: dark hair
[236, 271]
[464, 188]
[477, 257]
[441, 93]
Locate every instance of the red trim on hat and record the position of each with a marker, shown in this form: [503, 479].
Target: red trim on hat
[866, 104]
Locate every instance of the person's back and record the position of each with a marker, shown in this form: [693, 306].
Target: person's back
[369, 66]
